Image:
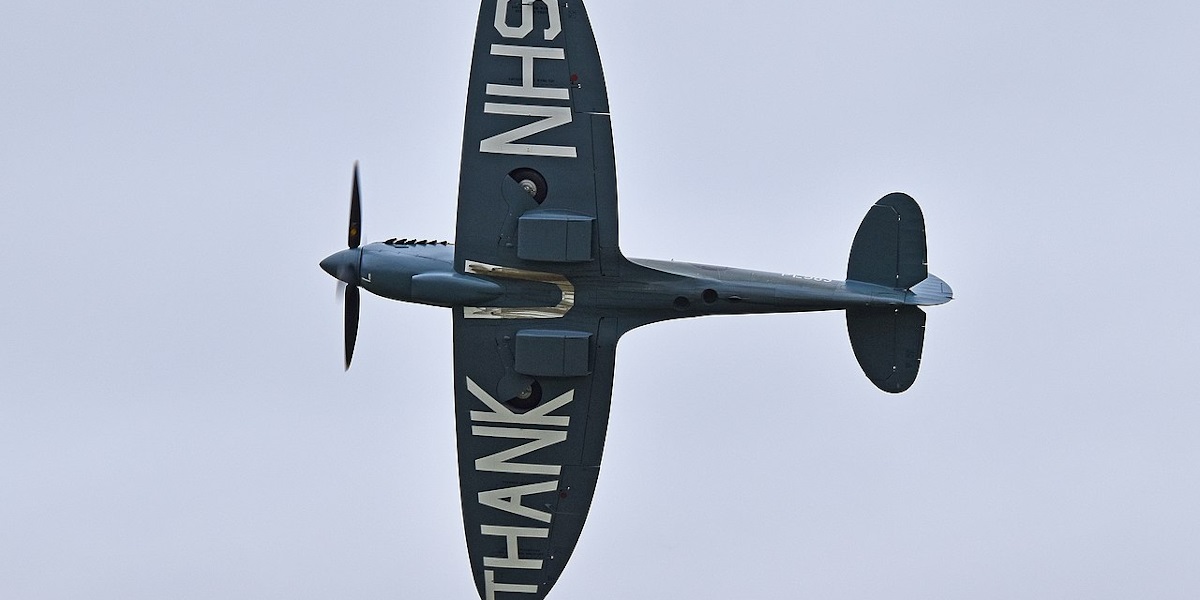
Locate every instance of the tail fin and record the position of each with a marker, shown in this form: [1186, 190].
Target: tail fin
[889, 248]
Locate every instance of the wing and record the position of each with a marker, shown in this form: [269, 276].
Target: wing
[537, 209]
[538, 179]
[531, 407]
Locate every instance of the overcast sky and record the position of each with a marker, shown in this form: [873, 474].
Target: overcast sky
[175, 422]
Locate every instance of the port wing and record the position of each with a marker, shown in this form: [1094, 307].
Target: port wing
[531, 407]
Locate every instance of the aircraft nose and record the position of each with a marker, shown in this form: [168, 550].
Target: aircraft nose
[343, 265]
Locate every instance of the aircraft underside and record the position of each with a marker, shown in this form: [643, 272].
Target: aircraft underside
[540, 292]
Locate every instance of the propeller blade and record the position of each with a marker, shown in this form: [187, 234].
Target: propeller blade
[355, 212]
[351, 322]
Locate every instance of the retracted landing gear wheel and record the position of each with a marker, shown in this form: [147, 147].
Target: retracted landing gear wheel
[528, 399]
[532, 182]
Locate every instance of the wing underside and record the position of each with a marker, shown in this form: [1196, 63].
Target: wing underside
[538, 179]
[537, 212]
[529, 445]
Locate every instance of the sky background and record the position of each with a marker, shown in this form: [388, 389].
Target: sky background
[175, 421]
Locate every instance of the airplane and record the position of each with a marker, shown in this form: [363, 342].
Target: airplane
[540, 291]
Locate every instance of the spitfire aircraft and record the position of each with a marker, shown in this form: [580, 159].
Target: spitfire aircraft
[540, 291]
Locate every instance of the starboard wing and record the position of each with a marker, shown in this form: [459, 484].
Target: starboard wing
[538, 179]
[531, 410]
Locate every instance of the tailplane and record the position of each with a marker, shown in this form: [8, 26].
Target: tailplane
[887, 343]
[889, 250]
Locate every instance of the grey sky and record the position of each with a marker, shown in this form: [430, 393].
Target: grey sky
[174, 421]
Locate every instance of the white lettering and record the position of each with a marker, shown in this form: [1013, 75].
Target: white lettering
[552, 31]
[512, 534]
[498, 462]
[539, 415]
[509, 499]
[490, 586]
[527, 89]
[549, 312]
[806, 277]
[552, 116]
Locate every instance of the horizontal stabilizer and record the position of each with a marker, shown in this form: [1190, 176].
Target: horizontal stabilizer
[887, 343]
[889, 248]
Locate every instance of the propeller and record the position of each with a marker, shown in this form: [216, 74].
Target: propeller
[355, 213]
[351, 322]
[344, 266]
[353, 240]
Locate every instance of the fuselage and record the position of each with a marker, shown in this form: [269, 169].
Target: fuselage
[423, 272]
